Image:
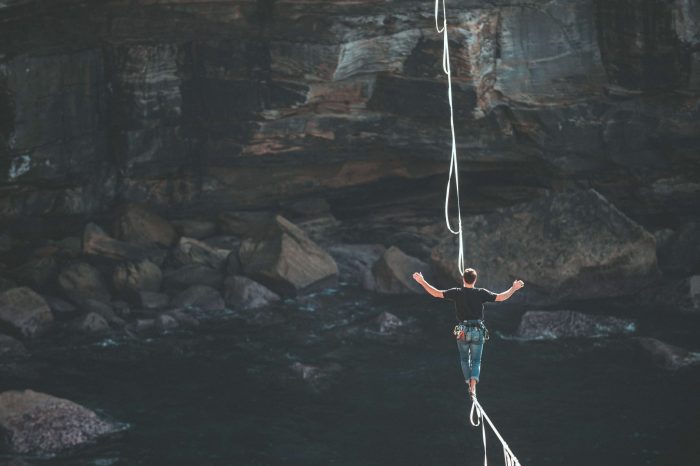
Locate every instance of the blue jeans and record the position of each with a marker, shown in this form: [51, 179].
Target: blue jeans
[470, 352]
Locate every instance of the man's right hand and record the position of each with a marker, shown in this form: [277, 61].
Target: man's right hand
[517, 284]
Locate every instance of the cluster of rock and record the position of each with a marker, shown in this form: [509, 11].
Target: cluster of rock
[38, 423]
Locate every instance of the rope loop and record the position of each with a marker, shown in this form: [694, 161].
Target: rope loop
[454, 168]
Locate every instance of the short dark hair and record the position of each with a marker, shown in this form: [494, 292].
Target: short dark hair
[469, 276]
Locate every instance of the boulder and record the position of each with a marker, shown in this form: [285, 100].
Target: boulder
[121, 308]
[287, 261]
[37, 423]
[104, 310]
[674, 295]
[131, 278]
[60, 308]
[36, 273]
[387, 322]
[564, 246]
[667, 356]
[151, 300]
[393, 272]
[355, 261]
[549, 325]
[93, 323]
[165, 322]
[192, 251]
[246, 224]
[233, 264]
[242, 293]
[69, 247]
[183, 318]
[141, 325]
[11, 349]
[194, 228]
[98, 243]
[679, 251]
[317, 377]
[200, 297]
[193, 274]
[137, 224]
[80, 281]
[229, 242]
[24, 311]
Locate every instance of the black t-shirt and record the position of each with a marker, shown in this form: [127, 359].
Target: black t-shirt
[469, 302]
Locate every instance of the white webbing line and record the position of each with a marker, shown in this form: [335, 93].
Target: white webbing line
[509, 456]
[454, 170]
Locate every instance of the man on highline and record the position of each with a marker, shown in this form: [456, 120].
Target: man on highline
[470, 331]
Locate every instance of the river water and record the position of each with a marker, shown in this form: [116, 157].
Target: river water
[225, 394]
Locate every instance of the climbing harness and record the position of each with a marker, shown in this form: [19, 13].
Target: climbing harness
[477, 415]
[460, 330]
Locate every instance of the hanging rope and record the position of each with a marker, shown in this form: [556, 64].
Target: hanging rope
[454, 169]
[477, 415]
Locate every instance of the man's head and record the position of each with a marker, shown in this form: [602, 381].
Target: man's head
[469, 276]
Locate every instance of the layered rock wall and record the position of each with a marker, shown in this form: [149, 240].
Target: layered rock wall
[241, 104]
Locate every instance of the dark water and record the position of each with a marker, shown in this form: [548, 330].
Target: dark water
[224, 393]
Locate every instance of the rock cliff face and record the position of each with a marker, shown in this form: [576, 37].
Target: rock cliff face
[191, 105]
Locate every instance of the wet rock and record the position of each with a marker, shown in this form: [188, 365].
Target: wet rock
[165, 322]
[37, 423]
[11, 349]
[136, 223]
[679, 251]
[388, 322]
[676, 295]
[151, 300]
[193, 274]
[308, 208]
[192, 251]
[317, 377]
[564, 246]
[355, 261]
[194, 228]
[131, 278]
[242, 293]
[229, 242]
[36, 273]
[233, 264]
[548, 325]
[81, 281]
[121, 308]
[93, 323]
[246, 224]
[141, 325]
[393, 272]
[98, 243]
[24, 311]
[287, 261]
[60, 308]
[69, 247]
[668, 356]
[104, 310]
[183, 318]
[200, 297]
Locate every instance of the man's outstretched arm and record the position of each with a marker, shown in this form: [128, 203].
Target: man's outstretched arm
[517, 284]
[432, 291]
